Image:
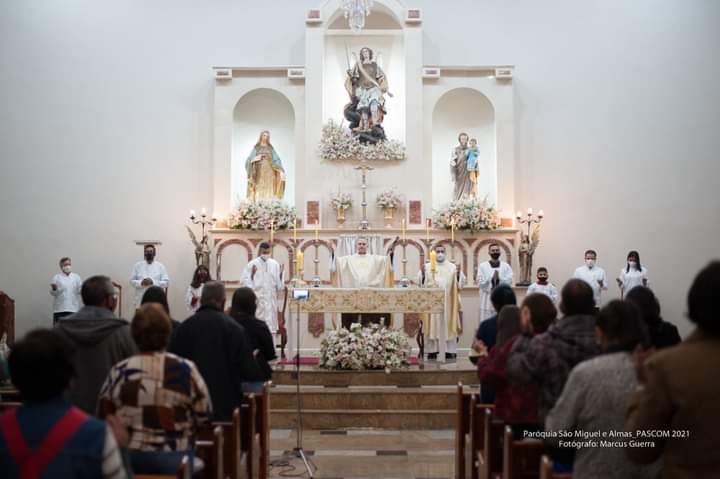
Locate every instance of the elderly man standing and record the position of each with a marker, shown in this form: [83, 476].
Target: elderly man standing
[148, 273]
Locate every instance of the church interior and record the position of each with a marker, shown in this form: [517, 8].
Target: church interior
[359, 238]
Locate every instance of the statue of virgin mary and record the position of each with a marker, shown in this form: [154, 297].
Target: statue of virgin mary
[265, 173]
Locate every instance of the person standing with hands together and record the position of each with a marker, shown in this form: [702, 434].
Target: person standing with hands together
[148, 273]
[633, 274]
[592, 275]
[65, 290]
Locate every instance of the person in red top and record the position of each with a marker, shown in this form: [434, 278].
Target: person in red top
[514, 403]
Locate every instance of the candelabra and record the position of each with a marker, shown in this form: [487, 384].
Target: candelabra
[404, 281]
[364, 168]
[528, 244]
[202, 248]
[316, 264]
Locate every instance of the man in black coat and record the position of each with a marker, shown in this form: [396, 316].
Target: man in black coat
[219, 348]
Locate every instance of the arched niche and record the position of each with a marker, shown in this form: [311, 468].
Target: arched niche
[258, 110]
[463, 110]
[384, 35]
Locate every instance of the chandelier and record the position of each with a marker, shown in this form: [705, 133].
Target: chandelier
[355, 12]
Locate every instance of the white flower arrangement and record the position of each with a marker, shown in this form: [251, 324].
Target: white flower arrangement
[370, 347]
[338, 143]
[261, 214]
[341, 201]
[469, 214]
[388, 199]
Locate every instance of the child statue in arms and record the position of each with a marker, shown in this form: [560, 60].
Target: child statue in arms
[472, 164]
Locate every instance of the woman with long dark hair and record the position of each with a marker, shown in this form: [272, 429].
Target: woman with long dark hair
[632, 274]
[194, 291]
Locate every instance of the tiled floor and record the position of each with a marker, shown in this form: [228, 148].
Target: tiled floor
[366, 453]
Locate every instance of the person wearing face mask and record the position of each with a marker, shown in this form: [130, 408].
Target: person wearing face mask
[148, 273]
[633, 274]
[65, 290]
[592, 275]
[543, 285]
[442, 330]
[194, 291]
[264, 276]
[490, 275]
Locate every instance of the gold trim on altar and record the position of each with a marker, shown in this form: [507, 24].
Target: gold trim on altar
[372, 300]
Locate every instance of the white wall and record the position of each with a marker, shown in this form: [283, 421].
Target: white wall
[106, 112]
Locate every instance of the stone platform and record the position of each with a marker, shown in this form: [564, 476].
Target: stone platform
[421, 397]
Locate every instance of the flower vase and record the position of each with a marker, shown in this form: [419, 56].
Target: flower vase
[340, 215]
[388, 214]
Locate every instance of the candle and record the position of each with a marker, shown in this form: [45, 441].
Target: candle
[317, 233]
[203, 211]
[427, 231]
[295, 230]
[403, 229]
[529, 211]
[541, 214]
[300, 257]
[192, 213]
[433, 261]
[272, 232]
[452, 231]
[518, 215]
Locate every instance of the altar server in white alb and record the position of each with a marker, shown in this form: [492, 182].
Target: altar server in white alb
[543, 285]
[442, 330]
[264, 276]
[490, 274]
[148, 273]
[65, 289]
[633, 274]
[593, 275]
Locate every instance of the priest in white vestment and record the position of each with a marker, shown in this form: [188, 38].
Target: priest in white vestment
[442, 331]
[148, 273]
[490, 275]
[544, 286]
[362, 270]
[264, 276]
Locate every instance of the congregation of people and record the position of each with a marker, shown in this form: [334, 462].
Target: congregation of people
[104, 397]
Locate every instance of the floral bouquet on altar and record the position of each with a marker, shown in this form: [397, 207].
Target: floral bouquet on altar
[341, 201]
[388, 199]
[261, 215]
[470, 214]
[338, 143]
[370, 347]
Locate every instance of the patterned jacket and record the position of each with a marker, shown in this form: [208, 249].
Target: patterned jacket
[547, 359]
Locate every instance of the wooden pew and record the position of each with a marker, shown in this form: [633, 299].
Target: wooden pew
[469, 432]
[262, 430]
[546, 470]
[521, 457]
[248, 437]
[8, 405]
[490, 459]
[213, 454]
[182, 473]
[462, 428]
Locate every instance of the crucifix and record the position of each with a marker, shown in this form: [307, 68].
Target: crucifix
[364, 168]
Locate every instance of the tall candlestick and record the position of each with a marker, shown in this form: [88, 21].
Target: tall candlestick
[433, 261]
[317, 233]
[295, 230]
[402, 223]
[427, 231]
[300, 261]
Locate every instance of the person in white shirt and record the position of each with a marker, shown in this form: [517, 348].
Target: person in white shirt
[65, 289]
[490, 275]
[543, 285]
[633, 274]
[194, 291]
[148, 273]
[264, 276]
[592, 275]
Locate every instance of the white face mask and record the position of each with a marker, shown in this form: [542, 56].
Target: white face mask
[590, 263]
[441, 257]
[67, 269]
[265, 257]
[632, 264]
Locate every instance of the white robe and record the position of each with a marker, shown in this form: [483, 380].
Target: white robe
[189, 295]
[438, 337]
[484, 282]
[362, 271]
[155, 271]
[267, 284]
[593, 277]
[66, 298]
[632, 278]
[548, 290]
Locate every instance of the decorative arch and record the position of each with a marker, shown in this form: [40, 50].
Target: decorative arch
[460, 246]
[222, 246]
[332, 9]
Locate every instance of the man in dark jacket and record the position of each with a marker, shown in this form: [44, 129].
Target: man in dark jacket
[218, 346]
[548, 358]
[100, 340]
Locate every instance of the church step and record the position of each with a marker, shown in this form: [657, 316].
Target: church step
[418, 419]
[405, 378]
[364, 398]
